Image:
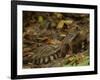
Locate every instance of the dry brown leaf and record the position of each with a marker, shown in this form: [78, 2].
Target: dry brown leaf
[26, 49]
[60, 24]
[51, 41]
[68, 22]
[27, 54]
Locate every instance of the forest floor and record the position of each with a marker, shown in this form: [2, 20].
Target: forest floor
[41, 29]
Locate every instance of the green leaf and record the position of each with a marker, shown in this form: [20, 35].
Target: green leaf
[40, 19]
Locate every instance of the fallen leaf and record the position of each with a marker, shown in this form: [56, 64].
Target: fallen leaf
[68, 22]
[60, 24]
